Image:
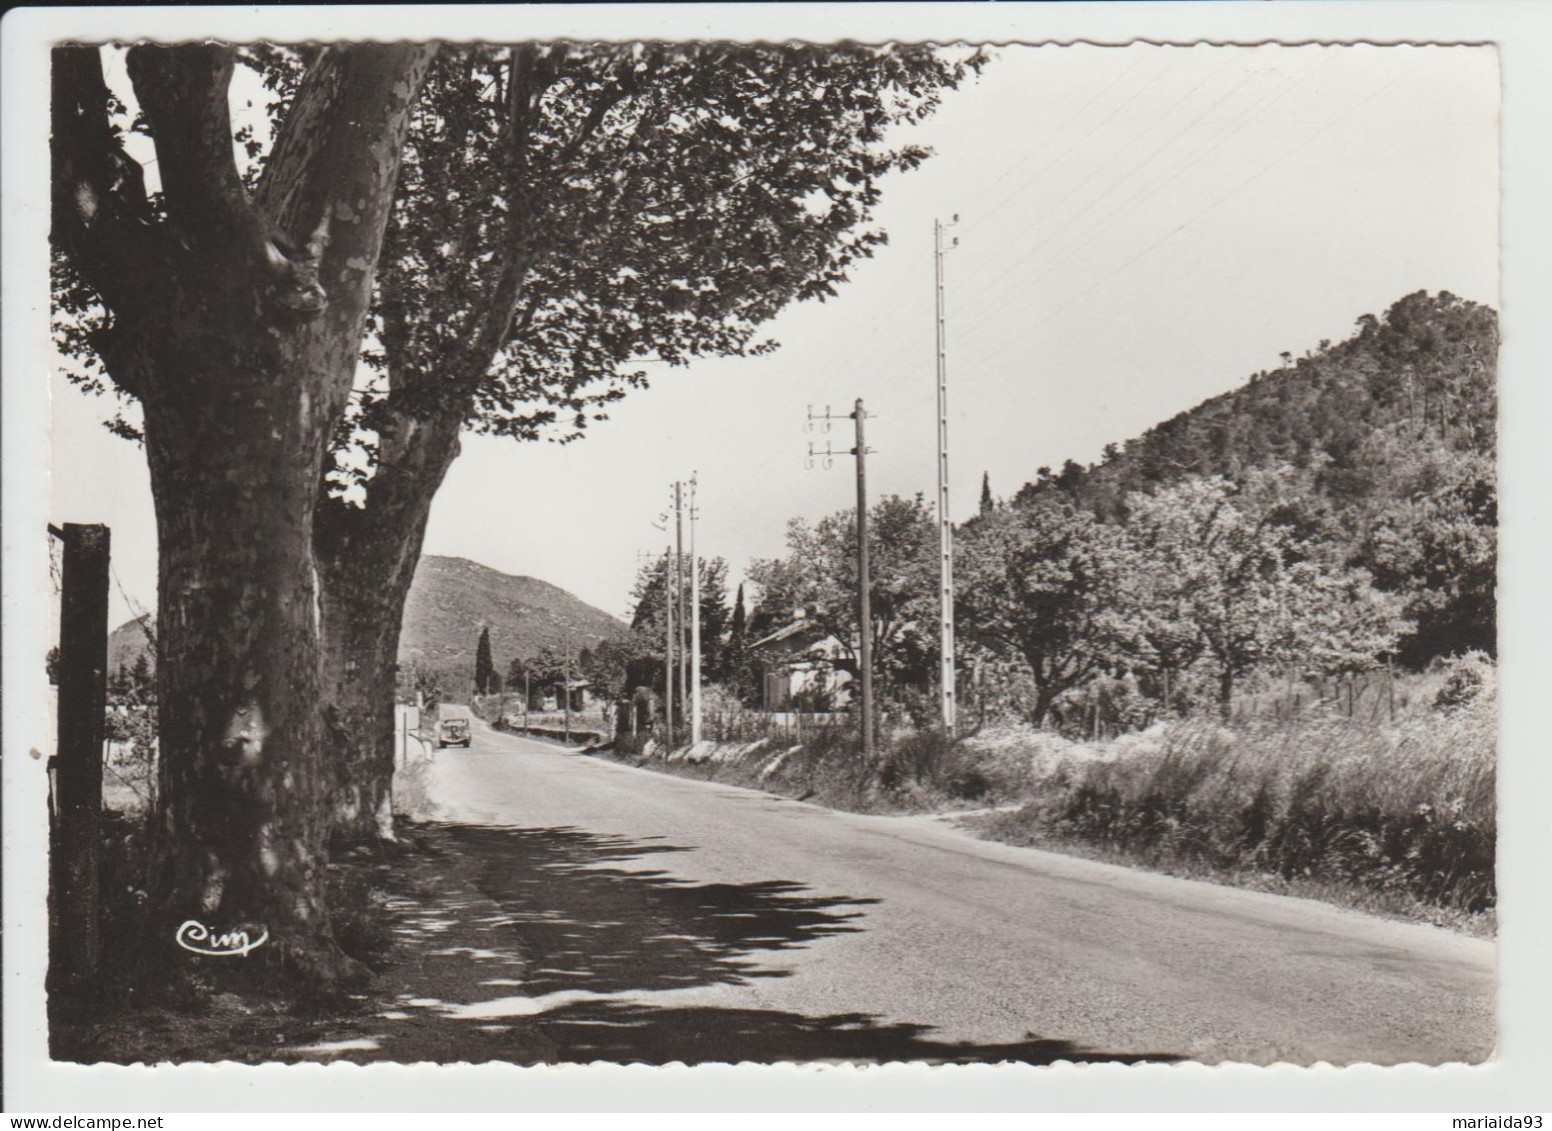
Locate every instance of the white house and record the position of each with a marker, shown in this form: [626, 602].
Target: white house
[803, 668]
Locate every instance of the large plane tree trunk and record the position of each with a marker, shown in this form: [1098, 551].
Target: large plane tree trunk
[237, 656]
[366, 562]
[236, 319]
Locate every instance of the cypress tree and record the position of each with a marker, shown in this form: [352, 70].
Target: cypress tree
[484, 668]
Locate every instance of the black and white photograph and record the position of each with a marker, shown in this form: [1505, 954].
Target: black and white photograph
[562, 545]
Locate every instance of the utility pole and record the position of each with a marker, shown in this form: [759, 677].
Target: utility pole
[695, 624]
[565, 687]
[668, 633]
[864, 584]
[864, 575]
[668, 653]
[945, 525]
[684, 619]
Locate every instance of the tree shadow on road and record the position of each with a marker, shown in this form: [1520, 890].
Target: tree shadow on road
[559, 945]
[627, 1032]
[588, 923]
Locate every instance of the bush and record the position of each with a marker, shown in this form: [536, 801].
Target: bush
[1467, 679]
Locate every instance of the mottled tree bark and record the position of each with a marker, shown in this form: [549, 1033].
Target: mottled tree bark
[366, 563]
[236, 320]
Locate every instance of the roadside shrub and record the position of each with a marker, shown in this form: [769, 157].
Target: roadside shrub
[1467, 678]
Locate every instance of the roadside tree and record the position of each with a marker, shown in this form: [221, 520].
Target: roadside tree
[484, 666]
[1039, 582]
[1224, 561]
[1438, 550]
[649, 627]
[819, 576]
[233, 313]
[568, 214]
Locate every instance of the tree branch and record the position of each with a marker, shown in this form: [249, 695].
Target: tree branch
[101, 217]
[530, 75]
[607, 99]
[183, 91]
[331, 175]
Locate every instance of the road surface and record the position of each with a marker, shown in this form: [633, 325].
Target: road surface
[638, 915]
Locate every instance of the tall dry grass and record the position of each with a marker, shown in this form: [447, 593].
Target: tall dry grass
[1407, 811]
[820, 760]
[1398, 816]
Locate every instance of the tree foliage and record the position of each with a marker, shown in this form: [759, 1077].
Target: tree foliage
[568, 211]
[1040, 583]
[649, 627]
[1219, 570]
[1438, 550]
[484, 666]
[819, 575]
[1373, 424]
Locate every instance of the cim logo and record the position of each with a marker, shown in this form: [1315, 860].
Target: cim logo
[194, 936]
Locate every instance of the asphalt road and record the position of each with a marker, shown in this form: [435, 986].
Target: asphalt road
[667, 918]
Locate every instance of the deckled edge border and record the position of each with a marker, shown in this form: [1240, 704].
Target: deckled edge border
[1520, 32]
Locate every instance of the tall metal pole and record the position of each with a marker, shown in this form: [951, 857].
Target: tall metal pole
[945, 527]
[684, 616]
[695, 627]
[864, 583]
[669, 576]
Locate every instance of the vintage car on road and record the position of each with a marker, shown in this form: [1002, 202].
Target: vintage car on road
[452, 732]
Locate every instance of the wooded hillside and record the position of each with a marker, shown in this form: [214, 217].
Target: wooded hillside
[1394, 434]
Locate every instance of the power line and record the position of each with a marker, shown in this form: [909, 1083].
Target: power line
[1151, 189]
[1198, 215]
[1103, 165]
[893, 313]
[1044, 168]
[1105, 121]
[861, 350]
[1117, 185]
[976, 291]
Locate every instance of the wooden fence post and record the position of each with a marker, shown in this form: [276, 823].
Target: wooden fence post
[77, 830]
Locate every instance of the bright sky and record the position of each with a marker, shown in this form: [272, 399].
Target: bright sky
[1140, 228]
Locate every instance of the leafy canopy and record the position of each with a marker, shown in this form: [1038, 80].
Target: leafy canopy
[567, 212]
[819, 575]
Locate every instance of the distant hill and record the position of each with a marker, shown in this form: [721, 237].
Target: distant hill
[450, 601]
[453, 598]
[128, 642]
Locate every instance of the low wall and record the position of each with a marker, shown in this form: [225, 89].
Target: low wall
[582, 737]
